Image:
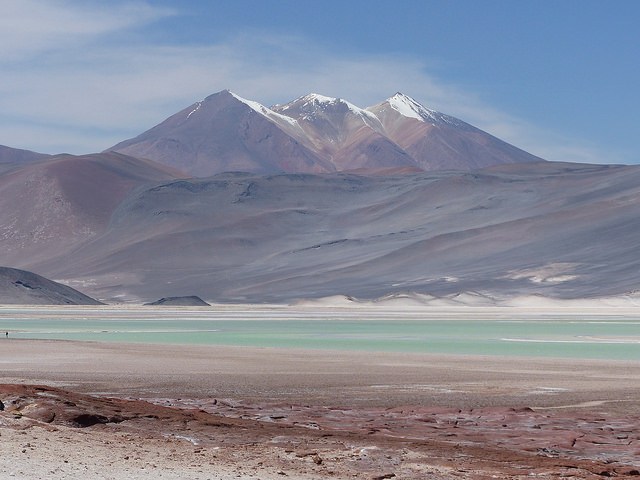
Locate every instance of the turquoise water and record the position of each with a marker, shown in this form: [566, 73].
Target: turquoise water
[610, 337]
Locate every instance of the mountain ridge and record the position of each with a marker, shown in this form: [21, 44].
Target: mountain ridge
[316, 134]
[11, 158]
[326, 199]
[557, 230]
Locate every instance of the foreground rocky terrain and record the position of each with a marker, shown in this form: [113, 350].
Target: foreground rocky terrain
[176, 411]
[52, 433]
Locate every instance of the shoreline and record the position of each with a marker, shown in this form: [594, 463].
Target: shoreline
[197, 412]
[301, 375]
[472, 421]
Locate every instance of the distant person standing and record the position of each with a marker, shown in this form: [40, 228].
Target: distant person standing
[6, 334]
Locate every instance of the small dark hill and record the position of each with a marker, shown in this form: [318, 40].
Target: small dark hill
[19, 287]
[188, 301]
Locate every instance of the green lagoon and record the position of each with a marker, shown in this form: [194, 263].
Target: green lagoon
[603, 337]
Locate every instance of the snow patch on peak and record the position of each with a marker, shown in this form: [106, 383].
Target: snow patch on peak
[361, 112]
[198, 105]
[311, 101]
[254, 105]
[408, 107]
[267, 112]
[316, 97]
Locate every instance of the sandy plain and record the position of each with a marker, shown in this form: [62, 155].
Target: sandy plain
[100, 410]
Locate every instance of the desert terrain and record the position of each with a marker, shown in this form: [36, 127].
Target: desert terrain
[106, 410]
[198, 284]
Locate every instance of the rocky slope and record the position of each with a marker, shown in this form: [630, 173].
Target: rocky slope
[440, 142]
[225, 133]
[18, 287]
[562, 230]
[11, 158]
[47, 208]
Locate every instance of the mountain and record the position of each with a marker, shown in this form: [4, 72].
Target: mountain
[18, 287]
[348, 136]
[439, 142]
[225, 132]
[48, 207]
[11, 158]
[326, 198]
[554, 229]
[317, 134]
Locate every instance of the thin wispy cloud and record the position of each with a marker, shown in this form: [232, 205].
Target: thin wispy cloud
[34, 27]
[80, 77]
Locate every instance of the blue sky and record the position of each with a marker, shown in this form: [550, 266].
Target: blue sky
[558, 78]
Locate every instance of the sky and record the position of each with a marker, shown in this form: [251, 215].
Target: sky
[558, 78]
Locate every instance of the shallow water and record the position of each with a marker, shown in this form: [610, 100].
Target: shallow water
[604, 337]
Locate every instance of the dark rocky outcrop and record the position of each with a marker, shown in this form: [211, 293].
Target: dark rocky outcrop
[187, 301]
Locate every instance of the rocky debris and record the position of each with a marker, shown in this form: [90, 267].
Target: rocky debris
[377, 443]
[38, 404]
[317, 459]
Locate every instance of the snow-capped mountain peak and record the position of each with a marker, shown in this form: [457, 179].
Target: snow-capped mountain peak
[317, 98]
[408, 107]
[316, 134]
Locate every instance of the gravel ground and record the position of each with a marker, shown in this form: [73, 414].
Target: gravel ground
[143, 411]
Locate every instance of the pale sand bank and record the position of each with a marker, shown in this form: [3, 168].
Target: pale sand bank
[316, 376]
